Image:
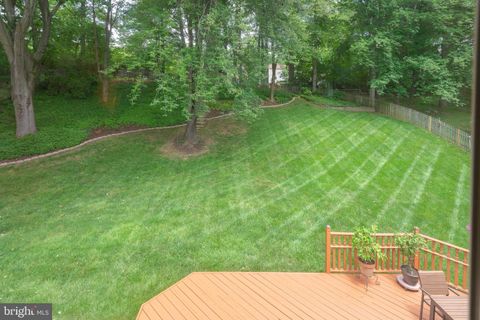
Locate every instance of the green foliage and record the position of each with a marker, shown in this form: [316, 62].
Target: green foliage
[194, 75]
[334, 102]
[364, 241]
[243, 103]
[407, 48]
[306, 92]
[70, 83]
[64, 122]
[410, 244]
[282, 94]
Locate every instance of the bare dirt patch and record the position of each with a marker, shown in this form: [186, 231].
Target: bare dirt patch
[174, 148]
[231, 127]
[266, 103]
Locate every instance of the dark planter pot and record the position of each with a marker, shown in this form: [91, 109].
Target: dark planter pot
[410, 275]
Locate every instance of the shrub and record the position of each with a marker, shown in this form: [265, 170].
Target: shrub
[69, 83]
[364, 241]
[338, 95]
[409, 244]
[306, 91]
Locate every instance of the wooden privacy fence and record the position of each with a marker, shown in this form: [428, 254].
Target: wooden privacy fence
[422, 120]
[340, 256]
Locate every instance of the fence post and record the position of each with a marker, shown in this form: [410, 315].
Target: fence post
[416, 261]
[458, 136]
[327, 249]
[430, 123]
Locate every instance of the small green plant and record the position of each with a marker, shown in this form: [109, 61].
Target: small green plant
[409, 244]
[306, 91]
[364, 241]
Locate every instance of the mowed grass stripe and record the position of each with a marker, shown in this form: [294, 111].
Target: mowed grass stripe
[299, 214]
[459, 198]
[117, 222]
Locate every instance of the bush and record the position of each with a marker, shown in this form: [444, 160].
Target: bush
[247, 106]
[68, 83]
[306, 91]
[364, 241]
[409, 244]
[338, 95]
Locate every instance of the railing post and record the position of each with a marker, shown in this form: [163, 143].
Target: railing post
[416, 261]
[327, 249]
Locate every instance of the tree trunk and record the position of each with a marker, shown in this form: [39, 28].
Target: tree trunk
[442, 104]
[96, 40]
[329, 89]
[22, 85]
[372, 96]
[372, 89]
[106, 52]
[274, 80]
[22, 97]
[83, 36]
[314, 74]
[190, 137]
[23, 56]
[105, 88]
[291, 75]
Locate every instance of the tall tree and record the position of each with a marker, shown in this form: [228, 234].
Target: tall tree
[109, 11]
[24, 46]
[327, 30]
[198, 51]
[278, 30]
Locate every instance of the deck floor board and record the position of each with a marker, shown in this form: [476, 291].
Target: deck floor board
[282, 295]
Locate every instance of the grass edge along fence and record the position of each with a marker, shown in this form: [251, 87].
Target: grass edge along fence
[419, 119]
[340, 257]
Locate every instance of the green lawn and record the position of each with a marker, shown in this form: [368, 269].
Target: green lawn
[101, 230]
[331, 102]
[459, 117]
[64, 122]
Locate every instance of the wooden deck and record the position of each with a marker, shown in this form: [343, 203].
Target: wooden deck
[250, 295]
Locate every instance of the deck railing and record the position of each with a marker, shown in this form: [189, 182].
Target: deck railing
[436, 255]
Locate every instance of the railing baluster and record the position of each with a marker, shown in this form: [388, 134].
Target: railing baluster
[449, 271]
[328, 249]
[334, 254]
[465, 272]
[433, 256]
[440, 259]
[456, 269]
[350, 259]
[425, 260]
[383, 251]
[339, 255]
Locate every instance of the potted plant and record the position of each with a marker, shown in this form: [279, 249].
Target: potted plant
[410, 244]
[368, 249]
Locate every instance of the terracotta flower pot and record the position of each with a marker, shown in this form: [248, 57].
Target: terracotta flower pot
[367, 269]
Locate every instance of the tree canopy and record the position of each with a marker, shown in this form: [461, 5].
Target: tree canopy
[197, 53]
